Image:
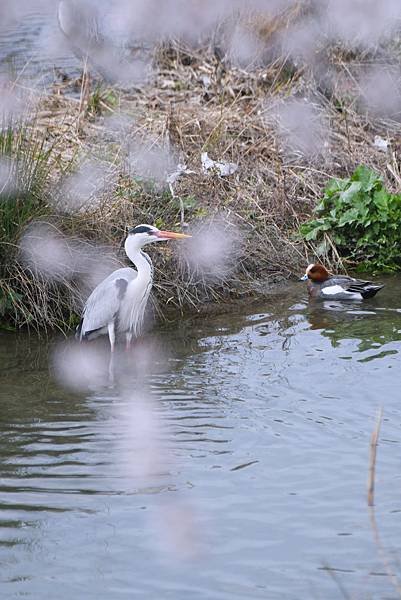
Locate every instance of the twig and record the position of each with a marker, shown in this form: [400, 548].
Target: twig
[83, 100]
[182, 209]
[372, 459]
[337, 581]
[371, 489]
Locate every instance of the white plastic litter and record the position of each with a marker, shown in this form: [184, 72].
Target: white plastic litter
[180, 170]
[223, 168]
[206, 81]
[381, 143]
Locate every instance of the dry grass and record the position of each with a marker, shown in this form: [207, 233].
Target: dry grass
[199, 102]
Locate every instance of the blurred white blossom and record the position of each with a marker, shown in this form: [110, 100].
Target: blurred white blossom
[54, 256]
[84, 189]
[214, 249]
[150, 159]
[381, 91]
[301, 126]
[80, 367]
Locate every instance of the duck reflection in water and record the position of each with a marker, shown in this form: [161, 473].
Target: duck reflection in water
[339, 321]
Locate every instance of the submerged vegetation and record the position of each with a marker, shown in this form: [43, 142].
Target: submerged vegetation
[85, 167]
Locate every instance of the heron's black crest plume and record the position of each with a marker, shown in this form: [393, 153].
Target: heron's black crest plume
[140, 229]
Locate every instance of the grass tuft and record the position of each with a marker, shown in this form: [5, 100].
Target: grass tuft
[201, 99]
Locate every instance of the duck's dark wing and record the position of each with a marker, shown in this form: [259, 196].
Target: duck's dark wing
[367, 289]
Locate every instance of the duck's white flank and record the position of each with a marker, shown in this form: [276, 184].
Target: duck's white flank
[337, 289]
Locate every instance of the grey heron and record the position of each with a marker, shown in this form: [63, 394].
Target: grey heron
[89, 32]
[80, 23]
[117, 305]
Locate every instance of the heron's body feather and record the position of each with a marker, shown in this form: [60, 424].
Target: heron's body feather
[104, 304]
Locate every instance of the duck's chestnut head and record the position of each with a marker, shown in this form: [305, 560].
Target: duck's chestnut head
[316, 273]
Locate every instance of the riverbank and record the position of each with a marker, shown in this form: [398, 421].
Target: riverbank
[110, 157]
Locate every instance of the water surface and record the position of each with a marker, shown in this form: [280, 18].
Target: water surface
[265, 418]
[257, 485]
[32, 48]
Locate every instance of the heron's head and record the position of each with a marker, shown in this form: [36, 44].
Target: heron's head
[316, 272]
[141, 235]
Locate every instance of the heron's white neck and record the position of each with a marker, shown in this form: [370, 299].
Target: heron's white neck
[141, 260]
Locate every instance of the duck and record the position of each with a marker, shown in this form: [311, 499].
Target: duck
[322, 284]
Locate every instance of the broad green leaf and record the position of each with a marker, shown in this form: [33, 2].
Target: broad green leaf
[348, 217]
[348, 195]
[367, 178]
[363, 218]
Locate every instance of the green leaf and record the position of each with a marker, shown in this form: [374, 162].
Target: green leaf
[311, 235]
[367, 178]
[363, 218]
[334, 186]
[349, 194]
[381, 199]
[350, 216]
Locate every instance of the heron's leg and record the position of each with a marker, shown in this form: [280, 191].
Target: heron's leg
[112, 338]
[111, 368]
[112, 335]
[128, 338]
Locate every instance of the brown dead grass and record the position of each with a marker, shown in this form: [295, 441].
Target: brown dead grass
[198, 102]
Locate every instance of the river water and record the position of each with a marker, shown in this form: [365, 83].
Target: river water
[254, 485]
[33, 51]
[232, 463]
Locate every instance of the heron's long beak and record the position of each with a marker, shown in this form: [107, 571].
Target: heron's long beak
[171, 235]
[304, 277]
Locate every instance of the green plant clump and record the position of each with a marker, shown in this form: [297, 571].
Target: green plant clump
[362, 219]
[25, 170]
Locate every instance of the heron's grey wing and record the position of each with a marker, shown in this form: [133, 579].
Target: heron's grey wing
[103, 304]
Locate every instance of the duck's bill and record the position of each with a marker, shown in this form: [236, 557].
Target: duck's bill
[304, 277]
[172, 235]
